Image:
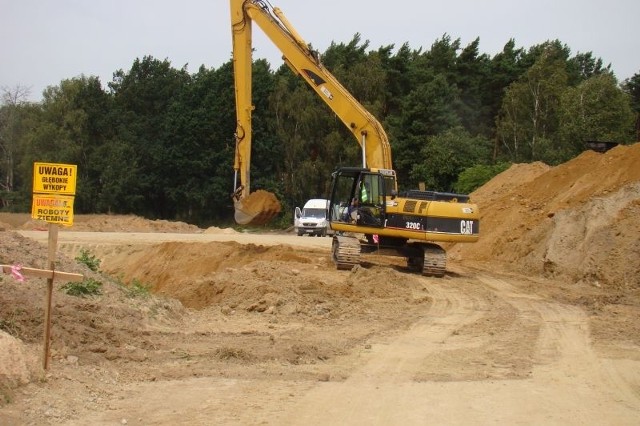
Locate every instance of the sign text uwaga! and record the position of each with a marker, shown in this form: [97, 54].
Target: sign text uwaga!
[54, 188]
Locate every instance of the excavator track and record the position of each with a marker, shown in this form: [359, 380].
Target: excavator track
[428, 259]
[435, 260]
[345, 251]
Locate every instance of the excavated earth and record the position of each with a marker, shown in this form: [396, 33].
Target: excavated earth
[537, 323]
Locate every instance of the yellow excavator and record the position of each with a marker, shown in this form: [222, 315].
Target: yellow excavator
[366, 211]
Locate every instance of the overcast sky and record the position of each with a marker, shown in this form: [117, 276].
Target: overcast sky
[46, 41]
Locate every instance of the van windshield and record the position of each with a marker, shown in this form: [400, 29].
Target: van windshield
[315, 213]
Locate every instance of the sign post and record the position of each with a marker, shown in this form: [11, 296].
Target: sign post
[51, 261]
[54, 189]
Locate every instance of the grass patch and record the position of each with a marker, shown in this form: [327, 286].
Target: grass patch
[88, 259]
[87, 287]
[10, 324]
[138, 289]
[230, 354]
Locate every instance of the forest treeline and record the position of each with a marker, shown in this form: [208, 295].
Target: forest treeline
[158, 141]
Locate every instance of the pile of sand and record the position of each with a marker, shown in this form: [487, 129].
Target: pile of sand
[99, 223]
[250, 277]
[121, 325]
[106, 322]
[18, 366]
[261, 200]
[216, 230]
[577, 220]
[129, 223]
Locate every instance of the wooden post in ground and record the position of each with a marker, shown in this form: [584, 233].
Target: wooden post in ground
[51, 264]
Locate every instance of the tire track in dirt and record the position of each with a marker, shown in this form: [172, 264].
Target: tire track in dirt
[398, 360]
[566, 363]
[568, 384]
[374, 393]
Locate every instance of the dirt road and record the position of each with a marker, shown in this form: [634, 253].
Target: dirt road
[297, 342]
[84, 239]
[562, 380]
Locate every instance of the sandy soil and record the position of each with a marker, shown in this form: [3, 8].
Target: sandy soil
[535, 324]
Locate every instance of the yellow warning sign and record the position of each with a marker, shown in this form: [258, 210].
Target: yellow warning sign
[53, 208]
[52, 178]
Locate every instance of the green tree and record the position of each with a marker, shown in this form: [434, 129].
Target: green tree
[549, 51]
[267, 149]
[142, 100]
[597, 109]
[583, 66]
[446, 155]
[475, 176]
[341, 56]
[13, 119]
[67, 128]
[202, 118]
[442, 57]
[427, 111]
[505, 68]
[86, 100]
[529, 116]
[397, 80]
[116, 188]
[472, 70]
[313, 140]
[631, 86]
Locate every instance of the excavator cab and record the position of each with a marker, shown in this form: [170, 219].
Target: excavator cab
[359, 196]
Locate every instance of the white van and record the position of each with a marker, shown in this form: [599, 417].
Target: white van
[312, 219]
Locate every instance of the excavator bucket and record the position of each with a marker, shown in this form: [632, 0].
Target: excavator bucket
[257, 208]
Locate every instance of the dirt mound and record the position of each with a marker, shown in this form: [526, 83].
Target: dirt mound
[142, 317]
[99, 223]
[577, 220]
[14, 220]
[129, 223]
[18, 366]
[250, 277]
[216, 230]
[107, 323]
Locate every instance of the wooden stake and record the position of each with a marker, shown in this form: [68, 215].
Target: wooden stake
[51, 259]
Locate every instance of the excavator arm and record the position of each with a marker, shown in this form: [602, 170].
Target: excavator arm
[261, 206]
[376, 151]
